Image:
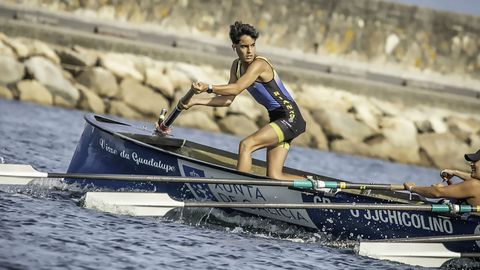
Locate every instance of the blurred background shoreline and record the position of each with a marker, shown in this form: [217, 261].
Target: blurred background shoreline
[362, 70]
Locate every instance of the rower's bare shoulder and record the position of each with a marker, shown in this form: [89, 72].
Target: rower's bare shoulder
[261, 63]
[471, 187]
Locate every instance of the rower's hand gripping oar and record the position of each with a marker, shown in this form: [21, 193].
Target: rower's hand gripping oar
[164, 125]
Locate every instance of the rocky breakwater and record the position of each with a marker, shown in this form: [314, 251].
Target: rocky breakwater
[137, 87]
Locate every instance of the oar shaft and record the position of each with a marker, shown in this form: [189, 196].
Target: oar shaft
[361, 186]
[26, 171]
[301, 184]
[176, 112]
[326, 206]
[173, 179]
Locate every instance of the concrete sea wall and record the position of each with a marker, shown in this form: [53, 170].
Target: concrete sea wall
[381, 32]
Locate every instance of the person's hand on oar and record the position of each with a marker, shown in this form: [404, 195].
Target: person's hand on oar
[163, 127]
[447, 175]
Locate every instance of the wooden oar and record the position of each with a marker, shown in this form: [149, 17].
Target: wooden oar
[164, 126]
[155, 204]
[16, 174]
[423, 251]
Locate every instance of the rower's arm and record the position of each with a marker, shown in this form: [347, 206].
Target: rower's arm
[462, 190]
[447, 175]
[465, 176]
[218, 100]
[234, 88]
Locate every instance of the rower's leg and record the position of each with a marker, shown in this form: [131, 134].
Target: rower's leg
[276, 157]
[264, 137]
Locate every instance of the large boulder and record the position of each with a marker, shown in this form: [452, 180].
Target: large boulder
[121, 65]
[39, 48]
[342, 125]
[351, 147]
[99, 80]
[193, 72]
[156, 78]
[238, 124]
[438, 124]
[50, 75]
[5, 93]
[120, 108]
[220, 112]
[59, 101]
[462, 127]
[142, 98]
[21, 50]
[33, 91]
[245, 105]
[90, 101]
[474, 141]
[443, 150]
[197, 119]
[6, 50]
[86, 56]
[142, 63]
[398, 141]
[366, 113]
[180, 80]
[313, 135]
[11, 70]
[73, 60]
[316, 97]
[386, 108]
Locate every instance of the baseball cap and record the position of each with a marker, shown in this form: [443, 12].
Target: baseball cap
[473, 157]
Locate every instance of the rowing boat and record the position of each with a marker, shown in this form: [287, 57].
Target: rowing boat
[114, 146]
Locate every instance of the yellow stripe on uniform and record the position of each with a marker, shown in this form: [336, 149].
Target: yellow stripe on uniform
[278, 131]
[286, 145]
[238, 68]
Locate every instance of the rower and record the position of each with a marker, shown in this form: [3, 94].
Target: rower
[256, 74]
[468, 190]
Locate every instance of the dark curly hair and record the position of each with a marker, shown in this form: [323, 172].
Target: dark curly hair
[239, 29]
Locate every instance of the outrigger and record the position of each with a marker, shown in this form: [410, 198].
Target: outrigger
[168, 172]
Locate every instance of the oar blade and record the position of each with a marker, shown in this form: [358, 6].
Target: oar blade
[18, 174]
[131, 203]
[421, 254]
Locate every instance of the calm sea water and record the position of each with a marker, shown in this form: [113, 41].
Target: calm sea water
[42, 227]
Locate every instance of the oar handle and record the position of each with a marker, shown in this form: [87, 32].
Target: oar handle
[165, 125]
[319, 184]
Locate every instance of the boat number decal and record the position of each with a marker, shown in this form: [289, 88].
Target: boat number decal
[136, 158]
[401, 218]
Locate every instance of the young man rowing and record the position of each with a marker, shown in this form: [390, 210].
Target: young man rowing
[468, 190]
[256, 74]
